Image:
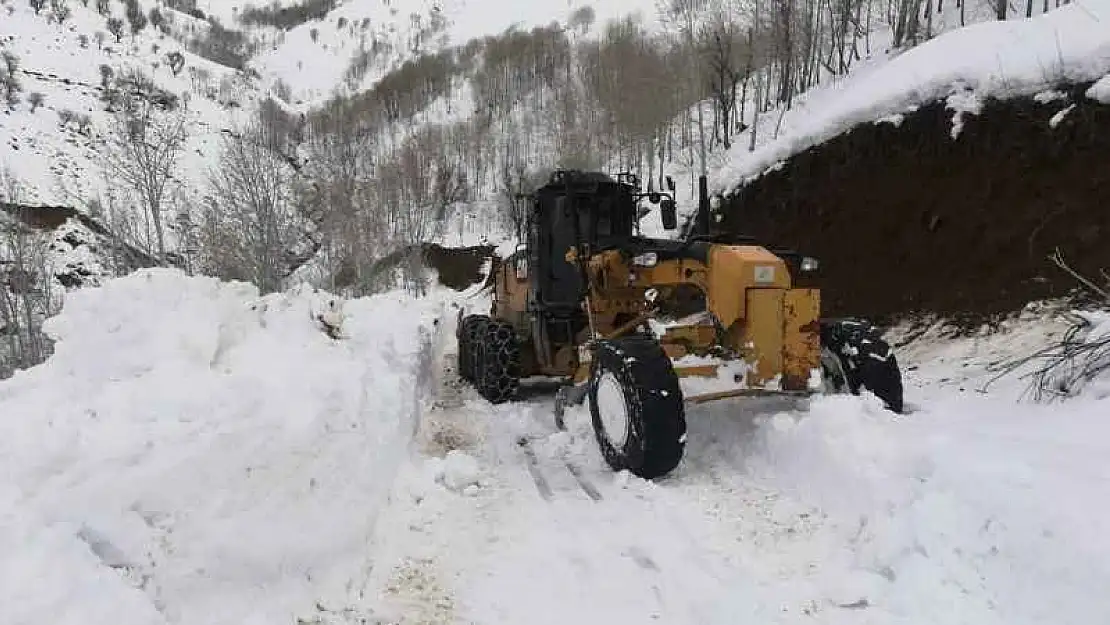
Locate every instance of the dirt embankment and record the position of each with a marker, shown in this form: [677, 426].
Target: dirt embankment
[905, 219]
[113, 251]
[457, 268]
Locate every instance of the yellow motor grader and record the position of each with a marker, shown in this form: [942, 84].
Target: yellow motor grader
[620, 318]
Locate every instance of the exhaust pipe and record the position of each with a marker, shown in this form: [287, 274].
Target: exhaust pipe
[703, 205]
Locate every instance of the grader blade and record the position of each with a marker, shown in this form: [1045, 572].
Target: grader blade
[744, 392]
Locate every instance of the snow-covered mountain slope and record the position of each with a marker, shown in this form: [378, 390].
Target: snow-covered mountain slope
[195, 453]
[56, 148]
[314, 58]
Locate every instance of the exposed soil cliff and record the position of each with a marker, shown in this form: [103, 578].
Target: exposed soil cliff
[907, 219]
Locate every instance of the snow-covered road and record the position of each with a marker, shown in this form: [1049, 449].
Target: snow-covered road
[972, 510]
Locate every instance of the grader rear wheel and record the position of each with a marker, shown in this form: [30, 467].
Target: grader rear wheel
[471, 328]
[496, 362]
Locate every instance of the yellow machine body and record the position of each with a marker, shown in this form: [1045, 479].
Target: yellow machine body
[755, 314]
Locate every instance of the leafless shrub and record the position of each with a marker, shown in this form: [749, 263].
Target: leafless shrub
[60, 10]
[115, 26]
[35, 99]
[84, 123]
[10, 85]
[65, 117]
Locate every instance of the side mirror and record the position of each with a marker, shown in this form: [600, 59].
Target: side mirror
[668, 214]
[670, 184]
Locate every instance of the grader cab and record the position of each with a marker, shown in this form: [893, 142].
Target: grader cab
[621, 317]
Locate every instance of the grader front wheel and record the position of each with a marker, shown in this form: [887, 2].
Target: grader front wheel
[636, 406]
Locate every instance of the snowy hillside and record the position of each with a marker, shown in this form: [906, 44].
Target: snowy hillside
[315, 58]
[56, 146]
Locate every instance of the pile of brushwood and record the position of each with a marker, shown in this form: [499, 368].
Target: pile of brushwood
[1081, 356]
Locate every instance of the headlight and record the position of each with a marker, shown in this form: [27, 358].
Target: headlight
[648, 259]
[809, 264]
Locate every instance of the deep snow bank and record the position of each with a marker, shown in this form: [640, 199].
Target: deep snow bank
[975, 509]
[194, 453]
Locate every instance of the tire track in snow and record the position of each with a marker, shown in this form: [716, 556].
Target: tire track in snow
[543, 485]
[559, 537]
[533, 465]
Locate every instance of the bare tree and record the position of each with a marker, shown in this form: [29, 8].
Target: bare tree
[145, 146]
[176, 61]
[27, 296]
[60, 10]
[682, 18]
[339, 201]
[253, 225]
[416, 189]
[514, 185]
[729, 58]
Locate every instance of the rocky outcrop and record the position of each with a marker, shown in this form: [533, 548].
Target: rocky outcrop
[83, 250]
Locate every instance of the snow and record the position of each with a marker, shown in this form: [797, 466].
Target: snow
[981, 61]
[1060, 115]
[962, 104]
[1100, 90]
[977, 510]
[195, 453]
